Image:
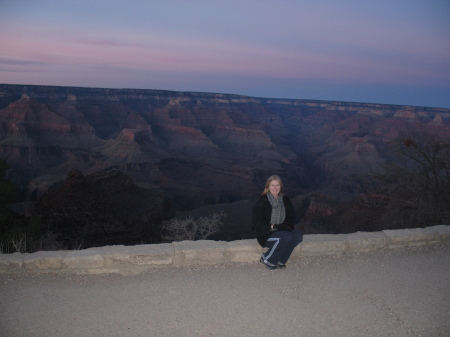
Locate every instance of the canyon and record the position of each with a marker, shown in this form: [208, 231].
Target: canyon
[205, 152]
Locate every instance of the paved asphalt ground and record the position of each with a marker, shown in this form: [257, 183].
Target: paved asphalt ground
[403, 292]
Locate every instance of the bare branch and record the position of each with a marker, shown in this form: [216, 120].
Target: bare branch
[191, 229]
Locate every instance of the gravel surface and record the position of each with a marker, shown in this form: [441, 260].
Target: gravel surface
[398, 293]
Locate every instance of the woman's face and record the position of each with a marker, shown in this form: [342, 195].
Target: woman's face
[274, 188]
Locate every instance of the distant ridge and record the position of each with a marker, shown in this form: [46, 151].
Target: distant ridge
[74, 89]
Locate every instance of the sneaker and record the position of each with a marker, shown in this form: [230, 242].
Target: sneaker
[281, 265]
[267, 264]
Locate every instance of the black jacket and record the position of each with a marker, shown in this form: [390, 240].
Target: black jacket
[261, 214]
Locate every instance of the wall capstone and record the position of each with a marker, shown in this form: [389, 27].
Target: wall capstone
[136, 259]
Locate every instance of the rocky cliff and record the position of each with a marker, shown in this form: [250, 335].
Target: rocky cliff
[202, 148]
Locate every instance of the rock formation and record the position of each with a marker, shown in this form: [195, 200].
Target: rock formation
[104, 208]
[202, 148]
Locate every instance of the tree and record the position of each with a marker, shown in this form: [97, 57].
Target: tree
[12, 238]
[417, 185]
[7, 190]
[191, 229]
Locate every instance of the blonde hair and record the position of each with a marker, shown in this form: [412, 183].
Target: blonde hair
[272, 178]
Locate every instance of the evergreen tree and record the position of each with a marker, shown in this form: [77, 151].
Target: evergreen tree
[7, 192]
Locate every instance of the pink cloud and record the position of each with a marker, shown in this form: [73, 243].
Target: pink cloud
[68, 49]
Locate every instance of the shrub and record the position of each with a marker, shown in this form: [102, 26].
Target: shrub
[191, 229]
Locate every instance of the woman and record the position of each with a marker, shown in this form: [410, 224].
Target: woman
[273, 221]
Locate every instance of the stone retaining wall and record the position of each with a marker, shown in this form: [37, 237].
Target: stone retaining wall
[135, 259]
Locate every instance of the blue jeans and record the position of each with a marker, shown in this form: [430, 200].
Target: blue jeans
[281, 245]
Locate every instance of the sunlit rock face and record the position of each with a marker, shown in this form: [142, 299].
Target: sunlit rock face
[202, 148]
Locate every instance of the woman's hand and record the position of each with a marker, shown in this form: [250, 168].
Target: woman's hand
[284, 227]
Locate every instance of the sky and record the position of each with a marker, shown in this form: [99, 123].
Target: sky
[384, 51]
